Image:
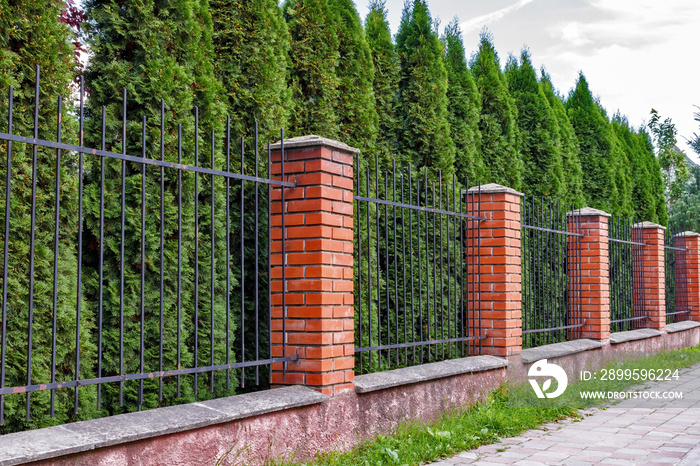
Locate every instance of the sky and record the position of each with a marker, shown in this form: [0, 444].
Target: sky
[635, 54]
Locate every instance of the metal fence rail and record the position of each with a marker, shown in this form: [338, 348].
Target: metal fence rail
[415, 300]
[177, 190]
[676, 269]
[625, 249]
[551, 273]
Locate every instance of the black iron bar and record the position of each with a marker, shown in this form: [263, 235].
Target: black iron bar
[403, 271]
[162, 246]
[212, 265]
[179, 253]
[410, 253]
[243, 261]
[228, 245]
[30, 316]
[6, 253]
[57, 221]
[196, 250]
[100, 267]
[396, 277]
[121, 253]
[79, 291]
[420, 343]
[257, 256]
[143, 262]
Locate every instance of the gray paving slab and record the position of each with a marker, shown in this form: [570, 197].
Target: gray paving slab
[631, 432]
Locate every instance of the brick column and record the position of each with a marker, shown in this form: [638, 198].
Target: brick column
[499, 279]
[593, 279]
[691, 241]
[318, 278]
[653, 283]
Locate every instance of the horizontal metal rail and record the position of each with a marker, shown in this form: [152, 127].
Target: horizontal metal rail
[675, 248]
[418, 208]
[634, 243]
[677, 312]
[141, 160]
[630, 319]
[144, 376]
[563, 327]
[419, 343]
[551, 230]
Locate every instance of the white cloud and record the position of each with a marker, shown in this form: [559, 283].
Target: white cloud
[480, 21]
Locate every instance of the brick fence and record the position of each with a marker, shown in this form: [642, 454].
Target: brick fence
[318, 281]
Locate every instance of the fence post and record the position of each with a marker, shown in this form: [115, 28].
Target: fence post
[652, 285]
[690, 240]
[498, 272]
[593, 279]
[313, 288]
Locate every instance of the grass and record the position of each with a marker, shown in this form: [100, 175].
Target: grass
[412, 443]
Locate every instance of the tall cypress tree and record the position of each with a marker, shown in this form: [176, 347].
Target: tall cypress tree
[566, 138]
[251, 43]
[355, 107]
[654, 170]
[543, 173]
[595, 141]
[425, 136]
[464, 107]
[32, 35]
[156, 52]
[313, 62]
[498, 119]
[385, 82]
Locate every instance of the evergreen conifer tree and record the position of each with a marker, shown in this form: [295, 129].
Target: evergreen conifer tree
[571, 164]
[355, 107]
[464, 108]
[251, 45]
[33, 36]
[385, 82]
[313, 64]
[596, 144]
[543, 173]
[498, 119]
[156, 51]
[425, 136]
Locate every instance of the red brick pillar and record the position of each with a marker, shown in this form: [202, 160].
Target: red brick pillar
[499, 281]
[318, 270]
[593, 279]
[691, 242]
[653, 283]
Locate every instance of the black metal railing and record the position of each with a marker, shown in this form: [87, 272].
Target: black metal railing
[675, 258]
[415, 300]
[131, 277]
[626, 254]
[551, 273]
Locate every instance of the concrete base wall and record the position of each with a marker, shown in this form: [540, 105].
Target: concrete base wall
[298, 429]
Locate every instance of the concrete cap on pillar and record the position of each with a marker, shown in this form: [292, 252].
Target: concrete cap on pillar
[493, 188]
[312, 141]
[648, 225]
[588, 212]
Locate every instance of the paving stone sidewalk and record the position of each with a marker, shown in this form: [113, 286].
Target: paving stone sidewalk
[633, 432]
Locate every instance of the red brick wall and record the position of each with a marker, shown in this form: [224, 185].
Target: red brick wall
[318, 274]
[653, 283]
[500, 276]
[593, 279]
[691, 241]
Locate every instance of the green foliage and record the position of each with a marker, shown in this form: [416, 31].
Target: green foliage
[596, 143]
[357, 116]
[565, 137]
[156, 52]
[425, 135]
[685, 212]
[671, 158]
[464, 108]
[314, 60]
[498, 119]
[543, 173]
[251, 43]
[32, 35]
[385, 82]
